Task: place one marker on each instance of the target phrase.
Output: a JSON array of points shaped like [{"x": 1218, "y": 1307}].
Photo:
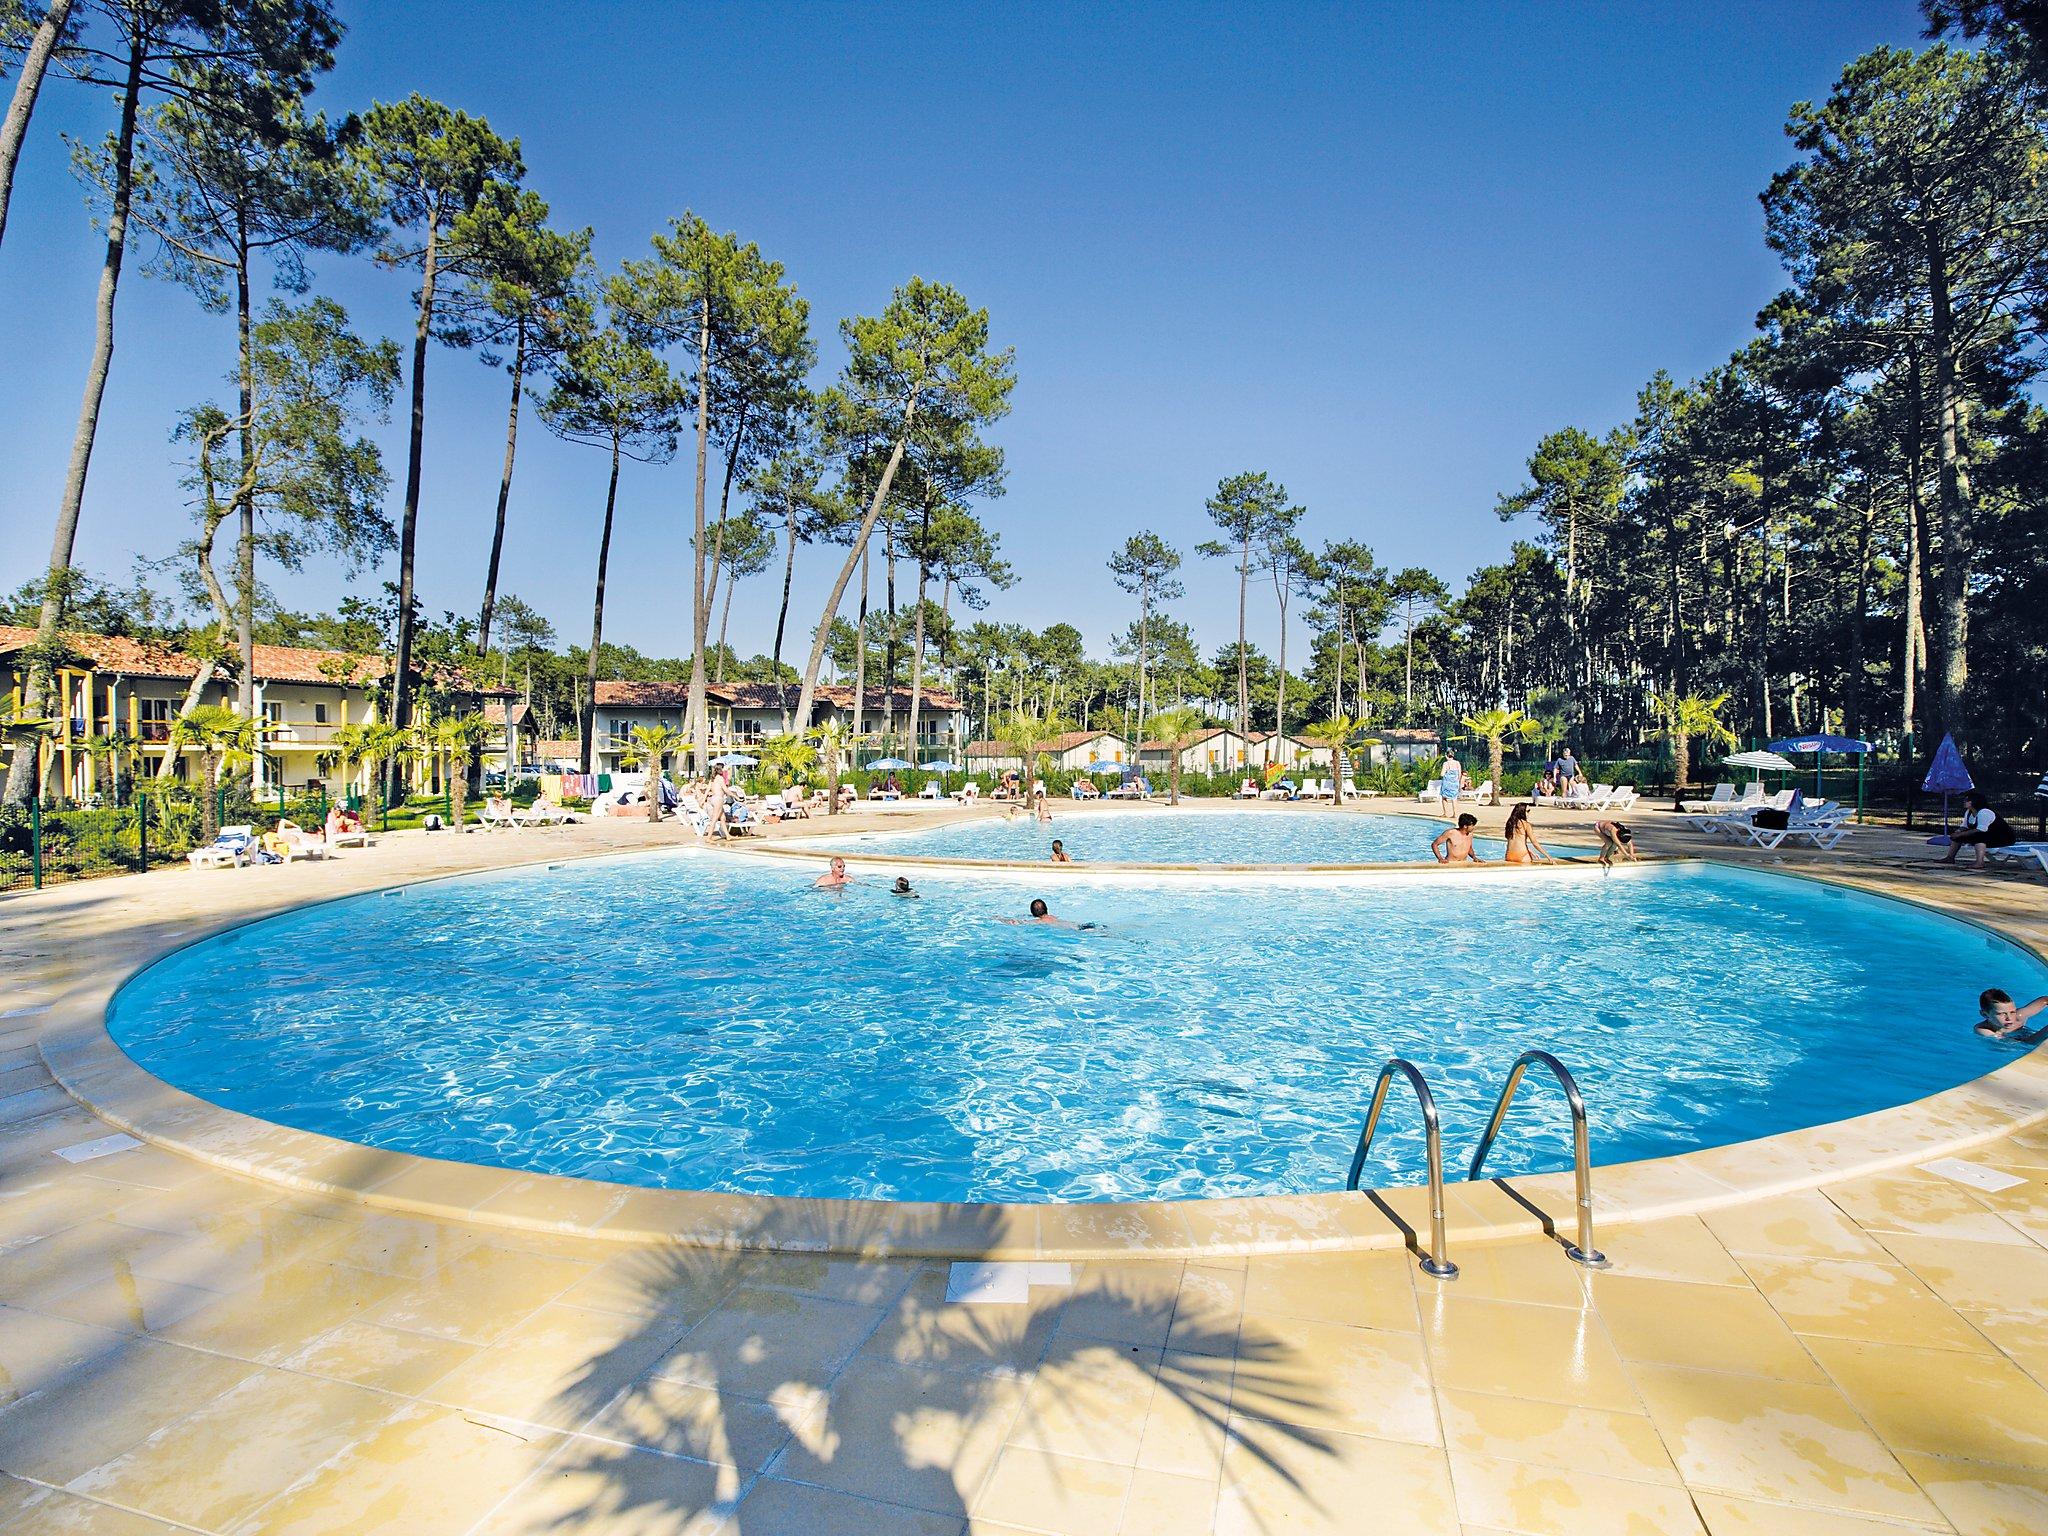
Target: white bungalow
[
  {"x": 1069, "y": 753},
  {"x": 1220, "y": 749}
]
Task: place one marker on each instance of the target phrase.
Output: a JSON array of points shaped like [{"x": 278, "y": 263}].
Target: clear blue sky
[{"x": 1374, "y": 250}]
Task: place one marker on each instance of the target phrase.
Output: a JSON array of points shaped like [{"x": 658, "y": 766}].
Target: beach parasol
[
  {"x": 1948, "y": 775},
  {"x": 892, "y": 764},
  {"x": 734, "y": 760},
  {"x": 1822, "y": 744},
  {"x": 943, "y": 766},
  {"x": 1760, "y": 761}
]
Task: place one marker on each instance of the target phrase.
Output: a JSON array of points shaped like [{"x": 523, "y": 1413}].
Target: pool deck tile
[{"x": 239, "y": 1329}]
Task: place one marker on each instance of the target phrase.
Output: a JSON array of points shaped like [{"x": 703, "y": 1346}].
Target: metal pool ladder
[
  {"x": 1437, "y": 1262},
  {"x": 1581, "y": 1252}
]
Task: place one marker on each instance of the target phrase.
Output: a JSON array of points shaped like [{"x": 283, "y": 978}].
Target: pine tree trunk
[
  {"x": 245, "y": 536},
  {"x": 860, "y": 651},
  {"x": 604, "y": 555},
  {"x": 1952, "y": 501},
  {"x": 782, "y": 613},
  {"x": 21, "y": 770},
  {"x": 408, "y": 532},
  {"x": 35, "y": 63},
  {"x": 483, "y": 623},
  {"x": 694, "y": 721},
  {"x": 857, "y": 553},
  {"x": 1244, "y": 686},
  {"x": 917, "y": 665}
]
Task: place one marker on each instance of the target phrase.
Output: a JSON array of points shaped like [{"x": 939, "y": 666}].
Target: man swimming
[
  {"x": 834, "y": 878},
  {"x": 1453, "y": 845},
  {"x": 1041, "y": 916},
  {"x": 2000, "y": 1018},
  {"x": 1060, "y": 854}
]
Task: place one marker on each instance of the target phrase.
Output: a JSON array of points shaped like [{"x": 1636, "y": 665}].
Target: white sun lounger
[
  {"x": 231, "y": 848},
  {"x": 1722, "y": 797},
  {"x": 2021, "y": 854}
]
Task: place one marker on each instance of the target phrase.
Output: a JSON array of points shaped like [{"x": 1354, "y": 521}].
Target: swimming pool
[
  {"x": 696, "y": 1020},
  {"x": 1186, "y": 834}
]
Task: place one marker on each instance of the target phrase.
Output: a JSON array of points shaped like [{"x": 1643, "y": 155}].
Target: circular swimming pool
[
  {"x": 702, "y": 1021},
  {"x": 1157, "y": 834}
]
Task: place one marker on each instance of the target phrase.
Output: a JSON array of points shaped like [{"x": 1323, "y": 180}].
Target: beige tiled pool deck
[{"x": 1805, "y": 1337}]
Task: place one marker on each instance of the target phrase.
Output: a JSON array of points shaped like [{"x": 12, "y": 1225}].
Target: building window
[{"x": 319, "y": 714}]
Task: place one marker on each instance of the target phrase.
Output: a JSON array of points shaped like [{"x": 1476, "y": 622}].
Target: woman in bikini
[{"x": 1522, "y": 845}]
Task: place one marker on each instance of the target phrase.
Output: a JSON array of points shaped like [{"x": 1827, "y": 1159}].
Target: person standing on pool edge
[{"x": 1451, "y": 782}]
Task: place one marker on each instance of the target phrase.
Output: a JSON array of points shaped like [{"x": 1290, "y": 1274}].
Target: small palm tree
[
  {"x": 653, "y": 745},
  {"x": 117, "y": 750},
  {"x": 459, "y": 738},
  {"x": 222, "y": 737},
  {"x": 1495, "y": 726},
  {"x": 788, "y": 756},
  {"x": 1339, "y": 733},
  {"x": 832, "y": 742},
  {"x": 1029, "y": 736},
  {"x": 363, "y": 748},
  {"x": 1175, "y": 729},
  {"x": 1687, "y": 718}
]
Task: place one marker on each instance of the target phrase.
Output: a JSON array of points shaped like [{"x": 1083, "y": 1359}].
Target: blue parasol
[
  {"x": 893, "y": 764},
  {"x": 1819, "y": 746},
  {"x": 1947, "y": 775}
]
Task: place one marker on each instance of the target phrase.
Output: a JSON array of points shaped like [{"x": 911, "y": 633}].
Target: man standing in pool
[
  {"x": 1453, "y": 845},
  {"x": 2000, "y": 1018},
  {"x": 835, "y": 877},
  {"x": 1060, "y": 854}
]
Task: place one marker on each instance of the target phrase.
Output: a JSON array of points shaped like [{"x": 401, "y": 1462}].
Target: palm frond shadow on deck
[{"x": 913, "y": 1412}]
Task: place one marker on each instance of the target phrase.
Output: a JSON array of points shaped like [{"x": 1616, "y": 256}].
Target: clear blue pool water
[
  {"x": 698, "y": 1021},
  {"x": 1159, "y": 835}
]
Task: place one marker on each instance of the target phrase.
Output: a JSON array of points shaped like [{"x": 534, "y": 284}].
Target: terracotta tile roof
[
  {"x": 630, "y": 695},
  {"x": 156, "y": 658},
  {"x": 841, "y": 698},
  {"x": 495, "y": 710}
]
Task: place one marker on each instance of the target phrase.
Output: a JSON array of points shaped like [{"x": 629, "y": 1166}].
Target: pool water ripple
[{"x": 695, "y": 1021}]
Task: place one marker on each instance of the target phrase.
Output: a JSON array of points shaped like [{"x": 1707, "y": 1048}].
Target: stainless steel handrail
[
  {"x": 1583, "y": 1251},
  {"x": 1436, "y": 1262}
]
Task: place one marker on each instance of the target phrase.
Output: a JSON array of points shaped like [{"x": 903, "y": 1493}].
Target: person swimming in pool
[
  {"x": 1060, "y": 854},
  {"x": 1453, "y": 845},
  {"x": 835, "y": 877},
  {"x": 2000, "y": 1018},
  {"x": 1041, "y": 916},
  {"x": 902, "y": 888}
]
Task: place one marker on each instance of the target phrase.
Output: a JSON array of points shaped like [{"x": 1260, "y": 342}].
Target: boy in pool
[
  {"x": 834, "y": 878},
  {"x": 902, "y": 888},
  {"x": 1060, "y": 854},
  {"x": 2000, "y": 1018},
  {"x": 1453, "y": 845}
]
